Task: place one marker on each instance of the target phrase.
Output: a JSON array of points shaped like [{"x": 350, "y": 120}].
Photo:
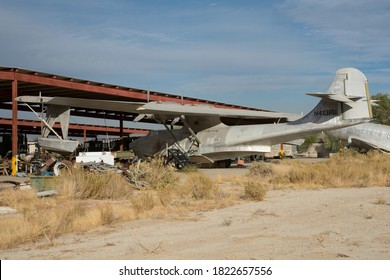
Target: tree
[
  {"x": 381, "y": 113},
  {"x": 329, "y": 143}
]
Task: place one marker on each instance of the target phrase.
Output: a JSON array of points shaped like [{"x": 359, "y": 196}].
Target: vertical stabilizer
[{"x": 347, "y": 99}]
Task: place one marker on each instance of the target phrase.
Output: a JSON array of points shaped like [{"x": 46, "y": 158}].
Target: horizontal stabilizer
[
  {"x": 335, "y": 97},
  {"x": 374, "y": 102}
]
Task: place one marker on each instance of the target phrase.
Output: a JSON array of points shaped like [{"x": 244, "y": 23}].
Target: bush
[
  {"x": 255, "y": 190},
  {"x": 200, "y": 186},
  {"x": 106, "y": 213},
  {"x": 154, "y": 174},
  {"x": 143, "y": 202},
  {"x": 261, "y": 169}
]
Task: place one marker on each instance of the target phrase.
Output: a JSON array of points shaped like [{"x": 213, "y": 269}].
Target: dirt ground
[{"x": 289, "y": 224}]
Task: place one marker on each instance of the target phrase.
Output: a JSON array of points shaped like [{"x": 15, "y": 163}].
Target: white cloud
[{"x": 359, "y": 27}]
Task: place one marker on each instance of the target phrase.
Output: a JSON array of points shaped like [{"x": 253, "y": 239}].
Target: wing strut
[
  {"x": 182, "y": 118},
  {"x": 179, "y": 155},
  {"x": 45, "y": 122}
]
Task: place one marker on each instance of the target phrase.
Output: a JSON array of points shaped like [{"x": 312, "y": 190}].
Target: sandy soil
[{"x": 288, "y": 224}]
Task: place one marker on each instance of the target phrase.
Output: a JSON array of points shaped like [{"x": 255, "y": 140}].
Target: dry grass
[
  {"x": 154, "y": 174},
  {"x": 144, "y": 201},
  {"x": 261, "y": 169},
  {"x": 85, "y": 201},
  {"x": 90, "y": 200},
  {"x": 86, "y": 185},
  {"x": 349, "y": 169},
  {"x": 255, "y": 190},
  {"x": 48, "y": 218},
  {"x": 196, "y": 192},
  {"x": 200, "y": 186},
  {"x": 380, "y": 201}
]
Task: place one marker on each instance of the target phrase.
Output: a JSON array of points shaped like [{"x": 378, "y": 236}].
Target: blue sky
[{"x": 264, "y": 54}]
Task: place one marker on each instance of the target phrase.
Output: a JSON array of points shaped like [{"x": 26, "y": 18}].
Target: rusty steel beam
[
  {"x": 14, "y": 126},
  {"x": 80, "y": 86},
  {"x": 7, "y": 75},
  {"x": 100, "y": 88},
  {"x": 121, "y": 145}
]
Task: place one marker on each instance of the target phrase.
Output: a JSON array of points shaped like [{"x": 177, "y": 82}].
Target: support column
[
  {"x": 85, "y": 135},
  {"x": 14, "y": 126},
  {"x": 121, "y": 132}
]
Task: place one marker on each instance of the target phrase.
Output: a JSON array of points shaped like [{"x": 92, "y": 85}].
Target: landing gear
[{"x": 177, "y": 157}]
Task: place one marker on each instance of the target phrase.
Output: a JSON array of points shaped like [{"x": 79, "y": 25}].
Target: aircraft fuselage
[{"x": 365, "y": 135}]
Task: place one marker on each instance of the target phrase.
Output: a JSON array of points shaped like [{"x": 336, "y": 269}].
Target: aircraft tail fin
[{"x": 347, "y": 99}]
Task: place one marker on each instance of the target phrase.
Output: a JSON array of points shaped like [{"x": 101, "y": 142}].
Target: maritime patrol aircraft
[{"x": 205, "y": 138}]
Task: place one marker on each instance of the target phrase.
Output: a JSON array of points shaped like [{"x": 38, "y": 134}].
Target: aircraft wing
[
  {"x": 164, "y": 109},
  {"x": 110, "y": 105},
  {"x": 367, "y": 145},
  {"x": 208, "y": 110}
]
